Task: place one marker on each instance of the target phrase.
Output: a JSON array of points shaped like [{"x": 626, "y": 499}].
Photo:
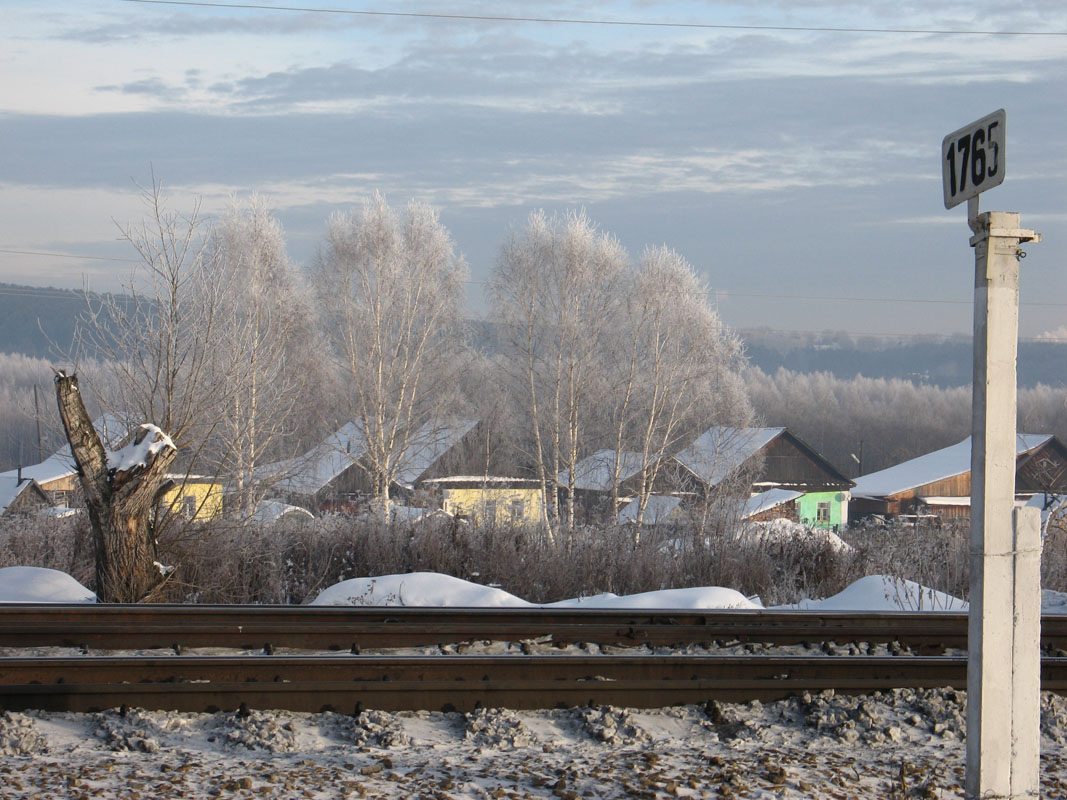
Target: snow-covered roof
[
  {"x": 657, "y": 509},
  {"x": 765, "y": 501},
  {"x": 428, "y": 445},
  {"x": 720, "y": 450},
  {"x": 311, "y": 472},
  {"x": 56, "y": 467},
  {"x": 60, "y": 464},
  {"x": 595, "y": 472},
  {"x": 480, "y": 479},
  {"x": 936, "y": 466}
]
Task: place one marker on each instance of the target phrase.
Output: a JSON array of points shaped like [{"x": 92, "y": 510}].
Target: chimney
[{"x": 19, "y": 481}]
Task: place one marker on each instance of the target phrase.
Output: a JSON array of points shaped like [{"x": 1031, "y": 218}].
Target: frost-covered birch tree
[
  {"x": 261, "y": 346},
  {"x": 390, "y": 291},
  {"x": 675, "y": 368},
  {"x": 555, "y": 294}
]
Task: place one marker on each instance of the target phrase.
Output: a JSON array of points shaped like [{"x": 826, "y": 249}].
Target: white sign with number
[{"x": 972, "y": 158}]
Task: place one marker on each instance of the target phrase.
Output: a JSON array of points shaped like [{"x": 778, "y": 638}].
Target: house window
[
  {"x": 189, "y": 506},
  {"x": 517, "y": 509},
  {"x": 822, "y": 512},
  {"x": 490, "y": 512}
]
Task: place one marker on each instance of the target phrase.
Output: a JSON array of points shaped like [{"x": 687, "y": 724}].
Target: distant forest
[
  {"x": 876, "y": 400},
  {"x": 943, "y": 361}
]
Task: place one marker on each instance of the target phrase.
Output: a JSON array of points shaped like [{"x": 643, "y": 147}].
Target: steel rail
[
  {"x": 348, "y": 684},
  {"x": 355, "y": 628}
]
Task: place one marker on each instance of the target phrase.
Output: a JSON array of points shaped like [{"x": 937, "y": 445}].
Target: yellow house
[
  {"x": 195, "y": 497},
  {"x": 489, "y": 500}
]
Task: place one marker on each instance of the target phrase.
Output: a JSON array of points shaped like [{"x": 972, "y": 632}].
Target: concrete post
[{"x": 1002, "y": 704}]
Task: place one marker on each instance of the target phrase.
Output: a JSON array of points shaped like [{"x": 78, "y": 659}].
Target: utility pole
[
  {"x": 37, "y": 415},
  {"x": 1004, "y": 620},
  {"x": 1003, "y": 664}
]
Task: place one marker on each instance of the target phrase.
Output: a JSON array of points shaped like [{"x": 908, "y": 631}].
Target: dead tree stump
[{"x": 120, "y": 489}]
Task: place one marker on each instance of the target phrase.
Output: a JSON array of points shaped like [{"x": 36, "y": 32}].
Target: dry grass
[{"x": 292, "y": 563}]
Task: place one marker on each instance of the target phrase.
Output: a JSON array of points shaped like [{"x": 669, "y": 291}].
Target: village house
[
  {"x": 782, "y": 476},
  {"x": 335, "y": 475},
  {"x": 20, "y": 495},
  {"x": 194, "y": 497},
  {"x": 57, "y": 475},
  {"x": 488, "y": 499},
  {"x": 938, "y": 485}
]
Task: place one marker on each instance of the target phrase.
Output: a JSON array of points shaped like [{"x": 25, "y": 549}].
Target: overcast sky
[{"x": 799, "y": 170}]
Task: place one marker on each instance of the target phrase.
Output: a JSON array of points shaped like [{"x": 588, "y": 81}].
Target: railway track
[
  {"x": 262, "y": 677},
  {"x": 141, "y": 627},
  {"x": 348, "y": 684}
]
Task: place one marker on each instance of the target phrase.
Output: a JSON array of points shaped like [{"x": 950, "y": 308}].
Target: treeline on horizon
[{"x": 884, "y": 421}]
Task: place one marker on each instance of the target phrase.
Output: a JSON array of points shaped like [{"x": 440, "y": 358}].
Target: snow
[
  {"x": 415, "y": 589},
  {"x": 765, "y": 501},
  {"x": 11, "y": 488},
  {"x": 597, "y": 472},
  {"x": 782, "y": 531},
  {"x": 901, "y": 743},
  {"x": 139, "y": 453},
  {"x": 658, "y": 508},
  {"x": 720, "y": 450},
  {"x": 430, "y": 589},
  {"x": 935, "y": 466},
  {"x": 61, "y": 463},
  {"x": 39, "y": 585},
  {"x": 885, "y": 593},
  {"x": 704, "y": 597},
  {"x": 270, "y": 511}
]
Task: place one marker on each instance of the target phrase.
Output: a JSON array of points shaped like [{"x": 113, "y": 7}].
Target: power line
[
  {"x": 607, "y": 22},
  {"x": 761, "y": 331},
  {"x": 66, "y": 255},
  {"x": 726, "y": 294}
]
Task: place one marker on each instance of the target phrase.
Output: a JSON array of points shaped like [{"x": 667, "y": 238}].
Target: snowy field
[{"x": 904, "y": 743}]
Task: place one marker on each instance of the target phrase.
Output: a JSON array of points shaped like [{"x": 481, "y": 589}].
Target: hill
[
  {"x": 33, "y": 319},
  {"x": 942, "y": 361}
]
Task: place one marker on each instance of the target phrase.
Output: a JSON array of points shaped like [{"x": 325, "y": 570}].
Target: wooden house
[
  {"x": 763, "y": 459},
  {"x": 21, "y": 496},
  {"x": 195, "y": 497},
  {"x": 938, "y": 484},
  {"x": 57, "y": 475},
  {"x": 487, "y": 499},
  {"x": 777, "y": 460}
]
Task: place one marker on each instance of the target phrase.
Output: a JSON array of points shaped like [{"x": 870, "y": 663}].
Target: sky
[{"x": 797, "y": 168}]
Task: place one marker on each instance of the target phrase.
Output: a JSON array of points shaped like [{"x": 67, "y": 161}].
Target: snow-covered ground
[{"x": 904, "y": 743}]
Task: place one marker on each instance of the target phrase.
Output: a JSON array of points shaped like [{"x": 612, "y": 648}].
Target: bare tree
[
  {"x": 390, "y": 289},
  {"x": 675, "y": 369},
  {"x": 158, "y": 339},
  {"x": 259, "y": 343},
  {"x": 555, "y": 292},
  {"x": 121, "y": 490}
]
